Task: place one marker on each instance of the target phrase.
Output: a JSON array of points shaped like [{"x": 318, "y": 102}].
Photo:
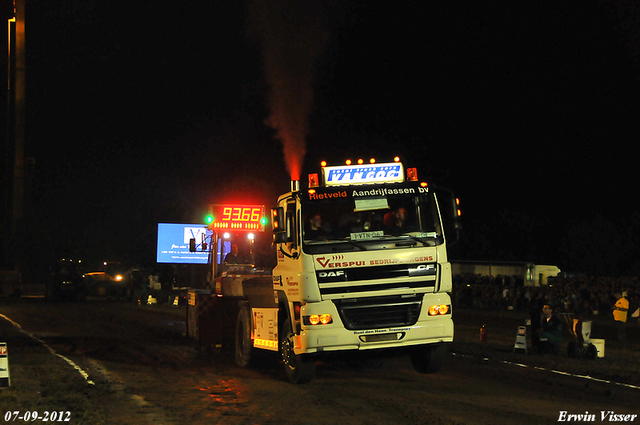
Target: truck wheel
[
  {"x": 299, "y": 369},
  {"x": 244, "y": 345},
  {"x": 428, "y": 358}
]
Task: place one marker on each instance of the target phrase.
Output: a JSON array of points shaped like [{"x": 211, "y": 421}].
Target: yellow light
[
  {"x": 323, "y": 163},
  {"x": 118, "y": 277},
  {"x": 348, "y": 162},
  {"x": 318, "y": 319},
  {"x": 424, "y": 184},
  {"x": 312, "y": 191},
  {"x": 360, "y": 161},
  {"x": 437, "y": 310},
  {"x": 372, "y": 161},
  {"x": 396, "y": 159}
]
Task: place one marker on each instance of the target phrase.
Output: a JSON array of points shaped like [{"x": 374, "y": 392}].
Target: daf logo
[{"x": 337, "y": 273}]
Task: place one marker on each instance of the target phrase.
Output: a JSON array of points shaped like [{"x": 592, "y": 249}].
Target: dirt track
[{"x": 152, "y": 374}]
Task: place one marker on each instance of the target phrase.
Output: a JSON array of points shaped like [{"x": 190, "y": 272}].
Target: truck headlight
[
  {"x": 439, "y": 310},
  {"x": 317, "y": 319}
]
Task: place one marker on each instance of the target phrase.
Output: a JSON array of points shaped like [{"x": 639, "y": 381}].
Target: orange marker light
[
  {"x": 372, "y": 161},
  {"x": 396, "y": 159},
  {"x": 348, "y": 162},
  {"x": 360, "y": 161},
  {"x": 323, "y": 163}
]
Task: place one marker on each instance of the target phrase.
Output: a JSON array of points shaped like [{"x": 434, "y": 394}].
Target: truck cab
[{"x": 362, "y": 265}]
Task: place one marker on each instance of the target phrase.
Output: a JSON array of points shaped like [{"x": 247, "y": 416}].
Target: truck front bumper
[{"x": 335, "y": 337}]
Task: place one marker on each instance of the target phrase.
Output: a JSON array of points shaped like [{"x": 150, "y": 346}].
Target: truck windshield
[{"x": 369, "y": 218}]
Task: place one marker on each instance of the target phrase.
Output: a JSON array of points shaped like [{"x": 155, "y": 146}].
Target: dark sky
[{"x": 145, "y": 112}]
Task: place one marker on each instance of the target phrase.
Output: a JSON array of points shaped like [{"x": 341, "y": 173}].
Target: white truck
[{"x": 361, "y": 265}]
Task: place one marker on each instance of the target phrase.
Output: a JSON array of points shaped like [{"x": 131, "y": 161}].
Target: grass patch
[{"x": 42, "y": 382}]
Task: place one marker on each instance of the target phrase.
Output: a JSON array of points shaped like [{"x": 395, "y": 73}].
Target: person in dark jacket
[{"x": 548, "y": 337}]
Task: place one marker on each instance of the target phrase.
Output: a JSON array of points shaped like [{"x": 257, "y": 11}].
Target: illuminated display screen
[
  {"x": 173, "y": 243},
  {"x": 363, "y": 174},
  {"x": 238, "y": 217}
]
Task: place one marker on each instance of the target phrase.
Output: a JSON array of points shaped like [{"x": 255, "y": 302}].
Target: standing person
[{"x": 620, "y": 316}]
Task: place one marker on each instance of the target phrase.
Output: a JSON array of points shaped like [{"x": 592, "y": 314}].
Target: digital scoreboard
[{"x": 237, "y": 217}]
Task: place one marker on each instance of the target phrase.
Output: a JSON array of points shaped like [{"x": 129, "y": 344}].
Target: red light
[
  {"x": 313, "y": 180},
  {"x": 412, "y": 174}
]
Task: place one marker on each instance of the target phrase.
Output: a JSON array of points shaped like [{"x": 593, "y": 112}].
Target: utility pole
[{"x": 14, "y": 167}]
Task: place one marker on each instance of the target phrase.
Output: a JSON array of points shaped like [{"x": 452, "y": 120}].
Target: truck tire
[
  {"x": 244, "y": 350},
  {"x": 428, "y": 358},
  {"x": 299, "y": 369}
]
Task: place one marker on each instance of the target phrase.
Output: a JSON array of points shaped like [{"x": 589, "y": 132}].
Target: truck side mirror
[{"x": 279, "y": 226}]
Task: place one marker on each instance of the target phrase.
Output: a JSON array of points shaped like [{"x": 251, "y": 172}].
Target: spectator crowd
[{"x": 586, "y": 296}]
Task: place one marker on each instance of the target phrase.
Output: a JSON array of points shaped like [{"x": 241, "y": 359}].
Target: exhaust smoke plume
[{"x": 292, "y": 35}]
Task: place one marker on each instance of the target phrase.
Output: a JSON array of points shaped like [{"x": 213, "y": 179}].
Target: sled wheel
[{"x": 244, "y": 345}]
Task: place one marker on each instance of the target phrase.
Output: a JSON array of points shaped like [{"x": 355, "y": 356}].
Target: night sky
[{"x": 145, "y": 112}]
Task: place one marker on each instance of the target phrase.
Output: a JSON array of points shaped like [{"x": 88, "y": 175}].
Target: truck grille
[
  {"x": 338, "y": 282},
  {"x": 379, "y": 312}
]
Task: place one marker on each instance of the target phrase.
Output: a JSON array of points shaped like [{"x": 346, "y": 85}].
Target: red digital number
[{"x": 226, "y": 214}]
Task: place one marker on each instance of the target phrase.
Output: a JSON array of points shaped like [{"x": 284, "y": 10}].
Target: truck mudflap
[{"x": 265, "y": 328}]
